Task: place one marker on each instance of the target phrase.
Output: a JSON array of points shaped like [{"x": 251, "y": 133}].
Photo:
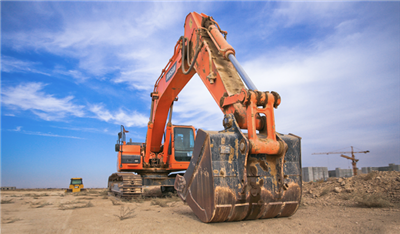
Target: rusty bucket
[{"x": 225, "y": 183}]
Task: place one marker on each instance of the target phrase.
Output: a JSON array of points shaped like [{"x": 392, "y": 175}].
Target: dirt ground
[{"x": 362, "y": 204}]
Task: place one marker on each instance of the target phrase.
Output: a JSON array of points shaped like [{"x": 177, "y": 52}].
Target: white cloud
[
  {"x": 196, "y": 106},
  {"x": 17, "y": 129},
  {"x": 103, "y": 40},
  {"x": 76, "y": 74},
  {"x": 50, "y": 135},
  {"x": 334, "y": 79},
  {"x": 339, "y": 91},
  {"x": 119, "y": 117},
  {"x": 29, "y": 96},
  {"x": 315, "y": 13},
  {"x": 10, "y": 64}
]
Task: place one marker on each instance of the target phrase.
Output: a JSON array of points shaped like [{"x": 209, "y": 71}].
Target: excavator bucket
[{"x": 225, "y": 183}]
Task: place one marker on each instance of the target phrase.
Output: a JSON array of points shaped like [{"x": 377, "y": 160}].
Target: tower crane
[{"x": 352, "y": 158}]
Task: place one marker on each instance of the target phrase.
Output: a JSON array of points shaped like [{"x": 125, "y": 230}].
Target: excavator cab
[
  {"x": 184, "y": 143},
  {"x": 180, "y": 146}
]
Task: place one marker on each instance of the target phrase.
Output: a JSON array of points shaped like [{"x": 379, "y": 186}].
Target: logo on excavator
[{"x": 170, "y": 73}]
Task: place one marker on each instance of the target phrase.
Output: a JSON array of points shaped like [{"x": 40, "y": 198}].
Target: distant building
[
  {"x": 341, "y": 173},
  {"x": 395, "y": 167},
  {"x": 367, "y": 170},
  {"x": 8, "y": 188},
  {"x": 322, "y": 173},
  {"x": 391, "y": 167},
  {"x": 314, "y": 173}
]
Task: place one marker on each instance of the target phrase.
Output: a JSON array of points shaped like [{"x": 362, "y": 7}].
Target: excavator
[{"x": 245, "y": 171}]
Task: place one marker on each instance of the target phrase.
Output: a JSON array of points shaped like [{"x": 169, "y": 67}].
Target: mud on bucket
[{"x": 225, "y": 183}]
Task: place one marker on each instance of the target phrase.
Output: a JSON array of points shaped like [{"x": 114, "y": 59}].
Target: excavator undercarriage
[
  {"x": 125, "y": 185},
  {"x": 128, "y": 185}
]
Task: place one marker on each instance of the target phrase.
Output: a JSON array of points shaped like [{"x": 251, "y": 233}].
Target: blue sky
[{"x": 73, "y": 72}]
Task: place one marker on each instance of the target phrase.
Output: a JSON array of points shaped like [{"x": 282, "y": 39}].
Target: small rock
[
  {"x": 340, "y": 180},
  {"x": 310, "y": 192},
  {"x": 349, "y": 190},
  {"x": 343, "y": 183},
  {"x": 337, "y": 190}
]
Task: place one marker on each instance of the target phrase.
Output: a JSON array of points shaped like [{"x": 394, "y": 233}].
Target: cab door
[
  {"x": 181, "y": 149},
  {"x": 183, "y": 144}
]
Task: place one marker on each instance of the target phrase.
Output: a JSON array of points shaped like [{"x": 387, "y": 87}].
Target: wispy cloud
[
  {"x": 77, "y": 75},
  {"x": 82, "y": 129},
  {"x": 108, "y": 39},
  {"x": 17, "y": 129},
  {"x": 30, "y": 96},
  {"x": 20, "y": 130},
  {"x": 128, "y": 119},
  {"x": 330, "y": 77},
  {"x": 197, "y": 107},
  {"x": 50, "y": 135},
  {"x": 10, "y": 64},
  {"x": 321, "y": 14}
]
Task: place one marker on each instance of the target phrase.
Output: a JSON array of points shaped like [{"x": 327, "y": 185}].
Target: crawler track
[{"x": 125, "y": 185}]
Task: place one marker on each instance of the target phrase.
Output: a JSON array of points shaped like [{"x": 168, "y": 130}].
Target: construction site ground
[{"x": 368, "y": 203}]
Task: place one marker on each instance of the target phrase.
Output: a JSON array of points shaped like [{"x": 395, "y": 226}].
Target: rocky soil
[
  {"x": 362, "y": 204},
  {"x": 376, "y": 189}
]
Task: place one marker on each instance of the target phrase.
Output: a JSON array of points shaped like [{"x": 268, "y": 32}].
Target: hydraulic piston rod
[{"x": 242, "y": 72}]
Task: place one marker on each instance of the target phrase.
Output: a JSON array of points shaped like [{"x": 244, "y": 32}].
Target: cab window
[
  {"x": 74, "y": 181},
  {"x": 183, "y": 144}
]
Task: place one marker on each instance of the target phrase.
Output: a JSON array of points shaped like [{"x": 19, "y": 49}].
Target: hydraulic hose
[{"x": 183, "y": 56}]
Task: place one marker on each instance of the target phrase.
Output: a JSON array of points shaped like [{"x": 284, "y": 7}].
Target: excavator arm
[
  {"x": 232, "y": 175},
  {"x": 204, "y": 50}
]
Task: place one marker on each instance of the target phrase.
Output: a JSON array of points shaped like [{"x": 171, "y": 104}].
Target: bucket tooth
[{"x": 225, "y": 183}]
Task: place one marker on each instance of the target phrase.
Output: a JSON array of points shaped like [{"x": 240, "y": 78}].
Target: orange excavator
[{"x": 230, "y": 174}]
